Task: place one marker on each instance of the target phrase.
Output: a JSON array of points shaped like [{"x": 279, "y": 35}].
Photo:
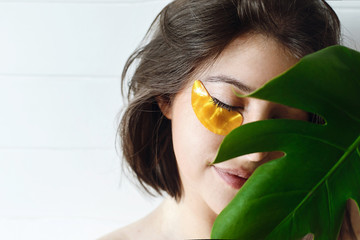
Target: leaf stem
[{"x": 351, "y": 148}]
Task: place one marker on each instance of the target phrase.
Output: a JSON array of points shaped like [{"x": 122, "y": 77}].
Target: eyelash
[{"x": 220, "y": 104}]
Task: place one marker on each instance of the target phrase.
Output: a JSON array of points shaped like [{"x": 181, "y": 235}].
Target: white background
[{"x": 60, "y": 66}]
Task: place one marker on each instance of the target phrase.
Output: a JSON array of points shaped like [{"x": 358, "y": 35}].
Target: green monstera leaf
[{"x": 306, "y": 190}]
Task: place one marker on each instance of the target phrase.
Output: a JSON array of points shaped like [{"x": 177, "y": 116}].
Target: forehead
[{"x": 252, "y": 60}]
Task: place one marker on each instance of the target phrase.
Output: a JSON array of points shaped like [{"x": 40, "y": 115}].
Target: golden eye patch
[{"x": 214, "y": 117}]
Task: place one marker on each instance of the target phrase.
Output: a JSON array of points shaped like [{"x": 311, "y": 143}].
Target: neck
[{"x": 188, "y": 218}]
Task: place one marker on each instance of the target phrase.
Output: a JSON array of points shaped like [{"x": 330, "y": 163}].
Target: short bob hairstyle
[{"x": 185, "y": 35}]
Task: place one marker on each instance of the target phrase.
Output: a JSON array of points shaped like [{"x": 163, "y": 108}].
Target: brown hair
[{"x": 185, "y": 35}]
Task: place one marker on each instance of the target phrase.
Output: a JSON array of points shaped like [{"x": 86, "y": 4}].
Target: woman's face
[{"x": 245, "y": 65}]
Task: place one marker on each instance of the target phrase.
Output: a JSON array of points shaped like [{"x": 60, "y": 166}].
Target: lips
[{"x": 235, "y": 178}]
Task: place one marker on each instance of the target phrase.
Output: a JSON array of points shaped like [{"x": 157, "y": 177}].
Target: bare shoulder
[
  {"x": 124, "y": 233},
  {"x": 145, "y": 228},
  {"x": 119, "y": 234}
]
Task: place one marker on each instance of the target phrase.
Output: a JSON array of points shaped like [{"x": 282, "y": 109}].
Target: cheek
[{"x": 194, "y": 145}]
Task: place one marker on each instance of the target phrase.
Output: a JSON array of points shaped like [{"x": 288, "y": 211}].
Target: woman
[{"x": 167, "y": 143}]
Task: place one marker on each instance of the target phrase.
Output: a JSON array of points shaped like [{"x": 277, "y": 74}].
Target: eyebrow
[{"x": 230, "y": 80}]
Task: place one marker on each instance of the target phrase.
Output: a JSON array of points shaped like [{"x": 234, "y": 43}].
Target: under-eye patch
[{"x": 214, "y": 117}]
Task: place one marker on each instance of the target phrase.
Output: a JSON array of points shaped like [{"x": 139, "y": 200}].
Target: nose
[
  {"x": 256, "y": 157},
  {"x": 257, "y": 110}
]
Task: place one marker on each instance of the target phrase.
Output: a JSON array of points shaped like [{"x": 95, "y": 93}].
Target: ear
[{"x": 165, "y": 107}]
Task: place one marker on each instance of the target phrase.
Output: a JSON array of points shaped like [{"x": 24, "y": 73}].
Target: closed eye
[
  {"x": 216, "y": 116},
  {"x": 220, "y": 104}
]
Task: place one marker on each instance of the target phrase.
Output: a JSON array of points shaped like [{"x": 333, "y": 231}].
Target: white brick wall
[
  {"x": 349, "y": 14},
  {"x": 60, "y": 63},
  {"x": 60, "y": 66}
]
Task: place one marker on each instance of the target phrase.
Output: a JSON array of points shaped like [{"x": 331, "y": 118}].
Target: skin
[{"x": 251, "y": 60}]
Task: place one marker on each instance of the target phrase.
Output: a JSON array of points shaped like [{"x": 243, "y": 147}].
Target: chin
[{"x": 218, "y": 204}]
